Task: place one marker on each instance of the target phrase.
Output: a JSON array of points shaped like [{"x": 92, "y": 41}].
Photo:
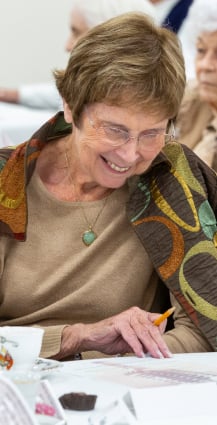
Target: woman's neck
[{"x": 62, "y": 178}]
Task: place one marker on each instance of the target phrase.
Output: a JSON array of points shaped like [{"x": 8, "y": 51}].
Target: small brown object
[{"x": 78, "y": 401}]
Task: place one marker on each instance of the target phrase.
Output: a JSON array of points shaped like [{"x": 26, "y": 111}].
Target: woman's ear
[{"x": 67, "y": 113}]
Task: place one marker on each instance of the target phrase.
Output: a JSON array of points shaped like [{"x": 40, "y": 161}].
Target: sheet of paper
[
  {"x": 175, "y": 402},
  {"x": 133, "y": 372},
  {"x": 183, "y": 420},
  {"x": 13, "y": 407}
]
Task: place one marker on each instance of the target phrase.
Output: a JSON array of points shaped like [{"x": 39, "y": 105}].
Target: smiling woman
[
  {"x": 104, "y": 215},
  {"x": 200, "y": 102}
]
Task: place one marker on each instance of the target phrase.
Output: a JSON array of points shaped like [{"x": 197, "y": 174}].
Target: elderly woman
[
  {"x": 103, "y": 227},
  {"x": 197, "y": 120}
]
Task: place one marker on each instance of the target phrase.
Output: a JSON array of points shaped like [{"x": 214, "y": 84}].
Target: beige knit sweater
[{"x": 75, "y": 283}]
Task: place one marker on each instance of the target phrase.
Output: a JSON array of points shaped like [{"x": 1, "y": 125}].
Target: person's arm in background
[
  {"x": 41, "y": 96},
  {"x": 9, "y": 95}
]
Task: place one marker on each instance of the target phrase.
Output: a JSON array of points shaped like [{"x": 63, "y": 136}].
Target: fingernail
[{"x": 159, "y": 354}]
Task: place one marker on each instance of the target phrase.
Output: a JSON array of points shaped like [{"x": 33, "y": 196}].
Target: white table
[
  {"x": 111, "y": 379},
  {"x": 18, "y": 123}
]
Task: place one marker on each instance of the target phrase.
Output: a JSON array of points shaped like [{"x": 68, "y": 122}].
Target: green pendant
[{"x": 89, "y": 237}]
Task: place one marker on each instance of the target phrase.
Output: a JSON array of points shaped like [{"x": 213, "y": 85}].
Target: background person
[
  {"x": 84, "y": 15},
  {"x": 94, "y": 244},
  {"x": 172, "y": 13},
  {"x": 197, "y": 119}
]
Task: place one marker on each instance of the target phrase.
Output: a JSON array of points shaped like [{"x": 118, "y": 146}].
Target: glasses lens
[
  {"x": 116, "y": 136},
  {"x": 152, "y": 142}
]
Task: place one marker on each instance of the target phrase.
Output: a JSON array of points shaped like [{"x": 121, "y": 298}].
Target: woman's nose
[
  {"x": 129, "y": 151},
  {"x": 209, "y": 62},
  {"x": 69, "y": 44}
]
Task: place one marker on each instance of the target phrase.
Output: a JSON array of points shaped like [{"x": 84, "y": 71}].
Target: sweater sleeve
[
  {"x": 185, "y": 337},
  {"x": 51, "y": 341},
  {"x": 41, "y": 96}
]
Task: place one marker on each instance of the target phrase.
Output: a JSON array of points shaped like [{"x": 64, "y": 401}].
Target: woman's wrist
[{"x": 70, "y": 342}]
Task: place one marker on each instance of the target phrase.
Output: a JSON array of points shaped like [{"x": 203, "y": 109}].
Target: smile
[
  {"x": 117, "y": 168},
  {"x": 206, "y": 83}
]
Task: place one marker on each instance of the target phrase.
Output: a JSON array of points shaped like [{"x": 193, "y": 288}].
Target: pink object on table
[{"x": 45, "y": 409}]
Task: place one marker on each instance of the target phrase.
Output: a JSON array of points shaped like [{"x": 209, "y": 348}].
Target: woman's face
[
  {"x": 206, "y": 67},
  {"x": 100, "y": 149}
]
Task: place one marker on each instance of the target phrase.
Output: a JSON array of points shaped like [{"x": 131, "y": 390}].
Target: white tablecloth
[
  {"x": 18, "y": 123},
  {"x": 111, "y": 383}
]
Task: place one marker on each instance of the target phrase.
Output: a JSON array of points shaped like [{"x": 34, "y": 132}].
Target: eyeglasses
[{"x": 148, "y": 141}]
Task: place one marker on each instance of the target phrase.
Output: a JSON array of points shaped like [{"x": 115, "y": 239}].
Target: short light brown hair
[{"x": 126, "y": 61}]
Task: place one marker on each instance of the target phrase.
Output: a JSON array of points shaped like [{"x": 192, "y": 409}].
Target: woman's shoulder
[
  {"x": 12, "y": 153},
  {"x": 191, "y": 99},
  {"x": 191, "y": 109},
  {"x": 5, "y": 155},
  {"x": 184, "y": 159}
]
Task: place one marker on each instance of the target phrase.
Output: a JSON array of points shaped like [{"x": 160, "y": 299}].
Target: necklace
[{"x": 89, "y": 235}]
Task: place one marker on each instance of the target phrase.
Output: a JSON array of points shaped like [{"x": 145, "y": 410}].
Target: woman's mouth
[
  {"x": 207, "y": 84},
  {"x": 116, "y": 167}
]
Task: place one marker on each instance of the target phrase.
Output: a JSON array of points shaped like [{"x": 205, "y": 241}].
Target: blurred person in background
[
  {"x": 172, "y": 13},
  {"x": 197, "y": 118},
  {"x": 85, "y": 14}
]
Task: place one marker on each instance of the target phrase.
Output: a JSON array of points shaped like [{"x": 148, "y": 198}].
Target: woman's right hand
[{"x": 130, "y": 331}]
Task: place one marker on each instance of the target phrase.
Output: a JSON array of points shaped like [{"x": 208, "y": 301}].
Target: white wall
[{"x": 32, "y": 39}]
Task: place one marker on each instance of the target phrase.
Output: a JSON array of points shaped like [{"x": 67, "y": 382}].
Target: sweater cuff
[{"x": 51, "y": 341}]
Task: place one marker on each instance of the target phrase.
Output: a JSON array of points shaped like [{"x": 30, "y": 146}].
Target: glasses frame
[{"x": 168, "y": 137}]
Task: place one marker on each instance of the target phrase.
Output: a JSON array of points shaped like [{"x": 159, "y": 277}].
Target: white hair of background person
[
  {"x": 202, "y": 17},
  {"x": 97, "y": 11}
]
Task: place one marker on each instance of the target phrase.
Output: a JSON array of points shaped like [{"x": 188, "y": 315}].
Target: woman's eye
[
  {"x": 200, "y": 51},
  {"x": 115, "y": 131}
]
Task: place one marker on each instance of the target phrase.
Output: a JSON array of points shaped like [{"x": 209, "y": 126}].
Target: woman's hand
[{"x": 130, "y": 331}]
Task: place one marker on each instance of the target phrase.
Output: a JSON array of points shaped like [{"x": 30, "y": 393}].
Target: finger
[
  {"x": 162, "y": 327},
  {"x": 138, "y": 337},
  {"x": 153, "y": 316},
  {"x": 150, "y": 336},
  {"x": 152, "y": 342},
  {"x": 129, "y": 335},
  {"x": 161, "y": 344}
]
